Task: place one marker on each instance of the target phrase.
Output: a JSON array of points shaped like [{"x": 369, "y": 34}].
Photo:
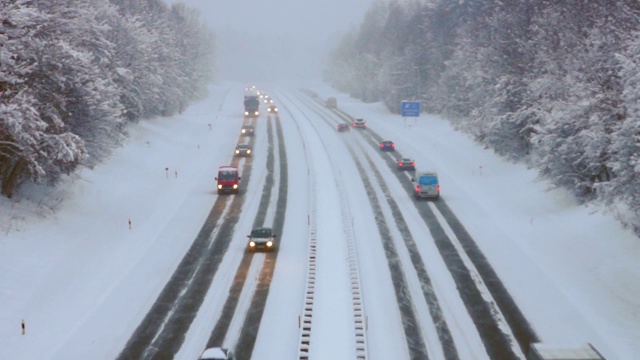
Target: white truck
[{"x": 541, "y": 351}]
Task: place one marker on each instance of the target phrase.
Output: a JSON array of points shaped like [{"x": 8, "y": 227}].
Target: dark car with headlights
[
  {"x": 247, "y": 130},
  {"x": 243, "y": 150},
  {"x": 261, "y": 238}
]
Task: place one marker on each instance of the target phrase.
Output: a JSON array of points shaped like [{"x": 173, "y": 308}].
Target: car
[
  {"x": 248, "y": 130},
  {"x": 272, "y": 109},
  {"x": 344, "y": 127},
  {"x": 261, "y": 238},
  {"x": 217, "y": 353},
  {"x": 359, "y": 124},
  {"x": 228, "y": 180},
  {"x": 331, "y": 103},
  {"x": 267, "y": 99},
  {"x": 243, "y": 150},
  {"x": 427, "y": 185},
  {"x": 387, "y": 145},
  {"x": 406, "y": 164}
]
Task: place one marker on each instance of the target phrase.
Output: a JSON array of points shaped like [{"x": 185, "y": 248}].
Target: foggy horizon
[{"x": 284, "y": 40}]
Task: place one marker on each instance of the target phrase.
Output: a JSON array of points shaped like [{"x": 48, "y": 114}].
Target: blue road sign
[{"x": 410, "y": 108}]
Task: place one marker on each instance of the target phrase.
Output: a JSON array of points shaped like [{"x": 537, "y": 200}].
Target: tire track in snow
[
  {"x": 161, "y": 333},
  {"x": 306, "y": 335},
  {"x": 413, "y": 333},
  {"x": 249, "y": 332},
  {"x": 503, "y": 328}
]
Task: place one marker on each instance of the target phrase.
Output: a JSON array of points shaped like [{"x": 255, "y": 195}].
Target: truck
[
  {"x": 251, "y": 104},
  {"x": 228, "y": 180}
]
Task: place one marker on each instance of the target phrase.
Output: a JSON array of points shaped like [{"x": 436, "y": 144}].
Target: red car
[{"x": 228, "y": 180}]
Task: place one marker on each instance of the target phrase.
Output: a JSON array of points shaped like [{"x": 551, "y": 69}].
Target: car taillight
[
  {"x": 399, "y": 164},
  {"x": 381, "y": 146},
  {"x": 393, "y": 145},
  {"x": 354, "y": 124},
  {"x": 438, "y": 188},
  {"x": 417, "y": 188},
  {"x": 413, "y": 163}
]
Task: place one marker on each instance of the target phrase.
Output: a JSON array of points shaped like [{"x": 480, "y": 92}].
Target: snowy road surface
[{"x": 498, "y": 262}]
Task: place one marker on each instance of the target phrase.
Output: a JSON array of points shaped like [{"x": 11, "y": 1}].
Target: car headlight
[
  {"x": 237, "y": 151},
  {"x": 235, "y": 186},
  {"x": 248, "y": 151},
  {"x": 252, "y": 243},
  {"x": 219, "y": 186},
  {"x": 246, "y": 113},
  {"x": 269, "y": 243},
  {"x": 244, "y": 131}
]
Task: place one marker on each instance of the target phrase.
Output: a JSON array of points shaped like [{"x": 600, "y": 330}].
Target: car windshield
[
  {"x": 428, "y": 180},
  {"x": 252, "y": 102},
  {"x": 261, "y": 233},
  {"x": 227, "y": 175}
]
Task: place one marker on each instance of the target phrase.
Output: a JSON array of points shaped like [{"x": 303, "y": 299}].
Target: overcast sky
[{"x": 277, "y": 40}]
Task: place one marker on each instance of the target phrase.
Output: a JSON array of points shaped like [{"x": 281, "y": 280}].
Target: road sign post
[{"x": 410, "y": 109}]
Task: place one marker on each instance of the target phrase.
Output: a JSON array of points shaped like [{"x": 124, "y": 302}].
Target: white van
[
  {"x": 427, "y": 185},
  {"x": 217, "y": 354}
]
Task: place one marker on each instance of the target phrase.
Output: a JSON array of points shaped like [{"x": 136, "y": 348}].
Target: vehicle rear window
[{"x": 428, "y": 180}]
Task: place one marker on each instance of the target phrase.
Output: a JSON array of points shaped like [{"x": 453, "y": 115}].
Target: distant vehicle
[
  {"x": 261, "y": 238},
  {"x": 359, "y": 124},
  {"x": 344, "y": 127},
  {"x": 406, "y": 164},
  {"x": 267, "y": 99},
  {"x": 217, "y": 354},
  {"x": 387, "y": 145},
  {"x": 228, "y": 180},
  {"x": 427, "y": 185},
  {"x": 272, "y": 109},
  {"x": 243, "y": 150},
  {"x": 248, "y": 130},
  {"x": 541, "y": 351},
  {"x": 251, "y": 103},
  {"x": 331, "y": 103}
]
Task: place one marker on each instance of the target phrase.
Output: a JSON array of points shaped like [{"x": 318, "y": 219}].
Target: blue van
[{"x": 427, "y": 185}]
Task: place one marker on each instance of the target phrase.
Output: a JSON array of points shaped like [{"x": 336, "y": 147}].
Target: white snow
[{"x": 82, "y": 280}]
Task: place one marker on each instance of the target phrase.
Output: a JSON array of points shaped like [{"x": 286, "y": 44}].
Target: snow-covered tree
[{"x": 72, "y": 72}]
